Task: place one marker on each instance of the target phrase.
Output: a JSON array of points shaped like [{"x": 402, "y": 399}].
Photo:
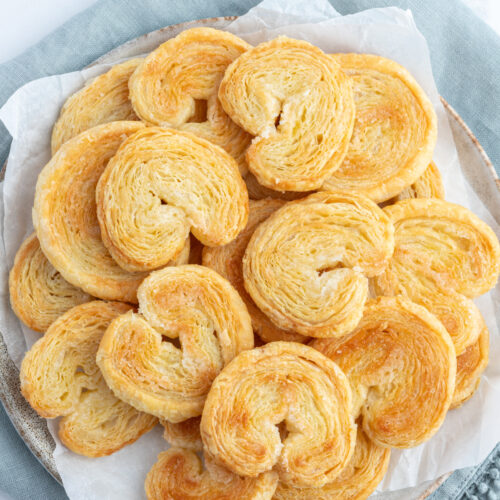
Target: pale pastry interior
[
  {"x": 395, "y": 129},
  {"x": 139, "y": 359},
  {"x": 307, "y": 266},
  {"x": 288, "y": 383},
  {"x": 159, "y": 186},
  {"x": 401, "y": 364},
  {"x": 60, "y": 378},
  {"x": 38, "y": 293},
  {"x": 104, "y": 99}
]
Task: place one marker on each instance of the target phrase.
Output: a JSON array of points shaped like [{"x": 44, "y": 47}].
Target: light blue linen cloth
[{"x": 465, "y": 55}]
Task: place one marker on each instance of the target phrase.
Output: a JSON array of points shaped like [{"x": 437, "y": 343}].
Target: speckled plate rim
[{"x": 31, "y": 428}]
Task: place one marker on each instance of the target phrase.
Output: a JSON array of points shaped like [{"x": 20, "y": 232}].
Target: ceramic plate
[{"x": 476, "y": 166}]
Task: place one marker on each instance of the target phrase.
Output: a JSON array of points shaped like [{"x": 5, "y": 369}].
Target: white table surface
[{"x": 25, "y": 22}]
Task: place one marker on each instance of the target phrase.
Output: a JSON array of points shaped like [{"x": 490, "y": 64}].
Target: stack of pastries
[{"x": 211, "y": 254}]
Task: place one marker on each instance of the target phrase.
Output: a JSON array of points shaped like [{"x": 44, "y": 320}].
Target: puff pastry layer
[
  {"x": 401, "y": 364},
  {"x": 60, "y": 378},
  {"x": 64, "y": 214},
  {"x": 470, "y": 366},
  {"x": 281, "y": 382},
  {"x": 184, "y": 434},
  {"x": 428, "y": 185},
  {"x": 443, "y": 254},
  {"x": 195, "y": 305},
  {"x": 298, "y": 103},
  {"x": 179, "y": 475},
  {"x": 161, "y": 184},
  {"x": 357, "y": 481},
  {"x": 306, "y": 266},
  {"x": 104, "y": 99},
  {"x": 38, "y": 293},
  {"x": 168, "y": 88},
  {"x": 227, "y": 261},
  {"x": 394, "y": 133}
]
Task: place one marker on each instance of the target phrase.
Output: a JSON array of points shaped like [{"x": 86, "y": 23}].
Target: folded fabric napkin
[{"x": 463, "y": 52}]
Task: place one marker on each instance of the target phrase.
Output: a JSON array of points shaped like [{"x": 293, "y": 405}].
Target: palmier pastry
[
  {"x": 428, "y": 185},
  {"x": 470, "y": 366},
  {"x": 357, "y": 481},
  {"x": 178, "y": 475},
  {"x": 161, "y": 184},
  {"x": 38, "y": 293},
  {"x": 183, "y": 434},
  {"x": 104, "y": 99},
  {"x": 65, "y": 217},
  {"x": 177, "y": 84},
  {"x": 394, "y": 133},
  {"x": 60, "y": 378},
  {"x": 195, "y": 305},
  {"x": 227, "y": 261},
  {"x": 306, "y": 266},
  {"x": 442, "y": 250},
  {"x": 401, "y": 364},
  {"x": 281, "y": 382},
  {"x": 299, "y": 104}
]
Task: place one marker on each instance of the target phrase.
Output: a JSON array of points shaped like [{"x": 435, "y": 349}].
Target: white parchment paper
[{"x": 468, "y": 434}]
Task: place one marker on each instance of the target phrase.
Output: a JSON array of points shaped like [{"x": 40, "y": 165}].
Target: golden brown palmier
[
  {"x": 60, "y": 378},
  {"x": 395, "y": 129},
  {"x": 401, "y": 364},
  {"x": 38, "y": 293},
  {"x": 280, "y": 382},
  {"x": 227, "y": 261},
  {"x": 184, "y": 434},
  {"x": 470, "y": 366},
  {"x": 443, "y": 254},
  {"x": 170, "y": 86},
  {"x": 162, "y": 184},
  {"x": 195, "y": 305},
  {"x": 306, "y": 266},
  {"x": 357, "y": 481},
  {"x": 65, "y": 217},
  {"x": 299, "y": 104},
  {"x": 104, "y": 99},
  {"x": 179, "y": 475},
  {"x": 428, "y": 185}
]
